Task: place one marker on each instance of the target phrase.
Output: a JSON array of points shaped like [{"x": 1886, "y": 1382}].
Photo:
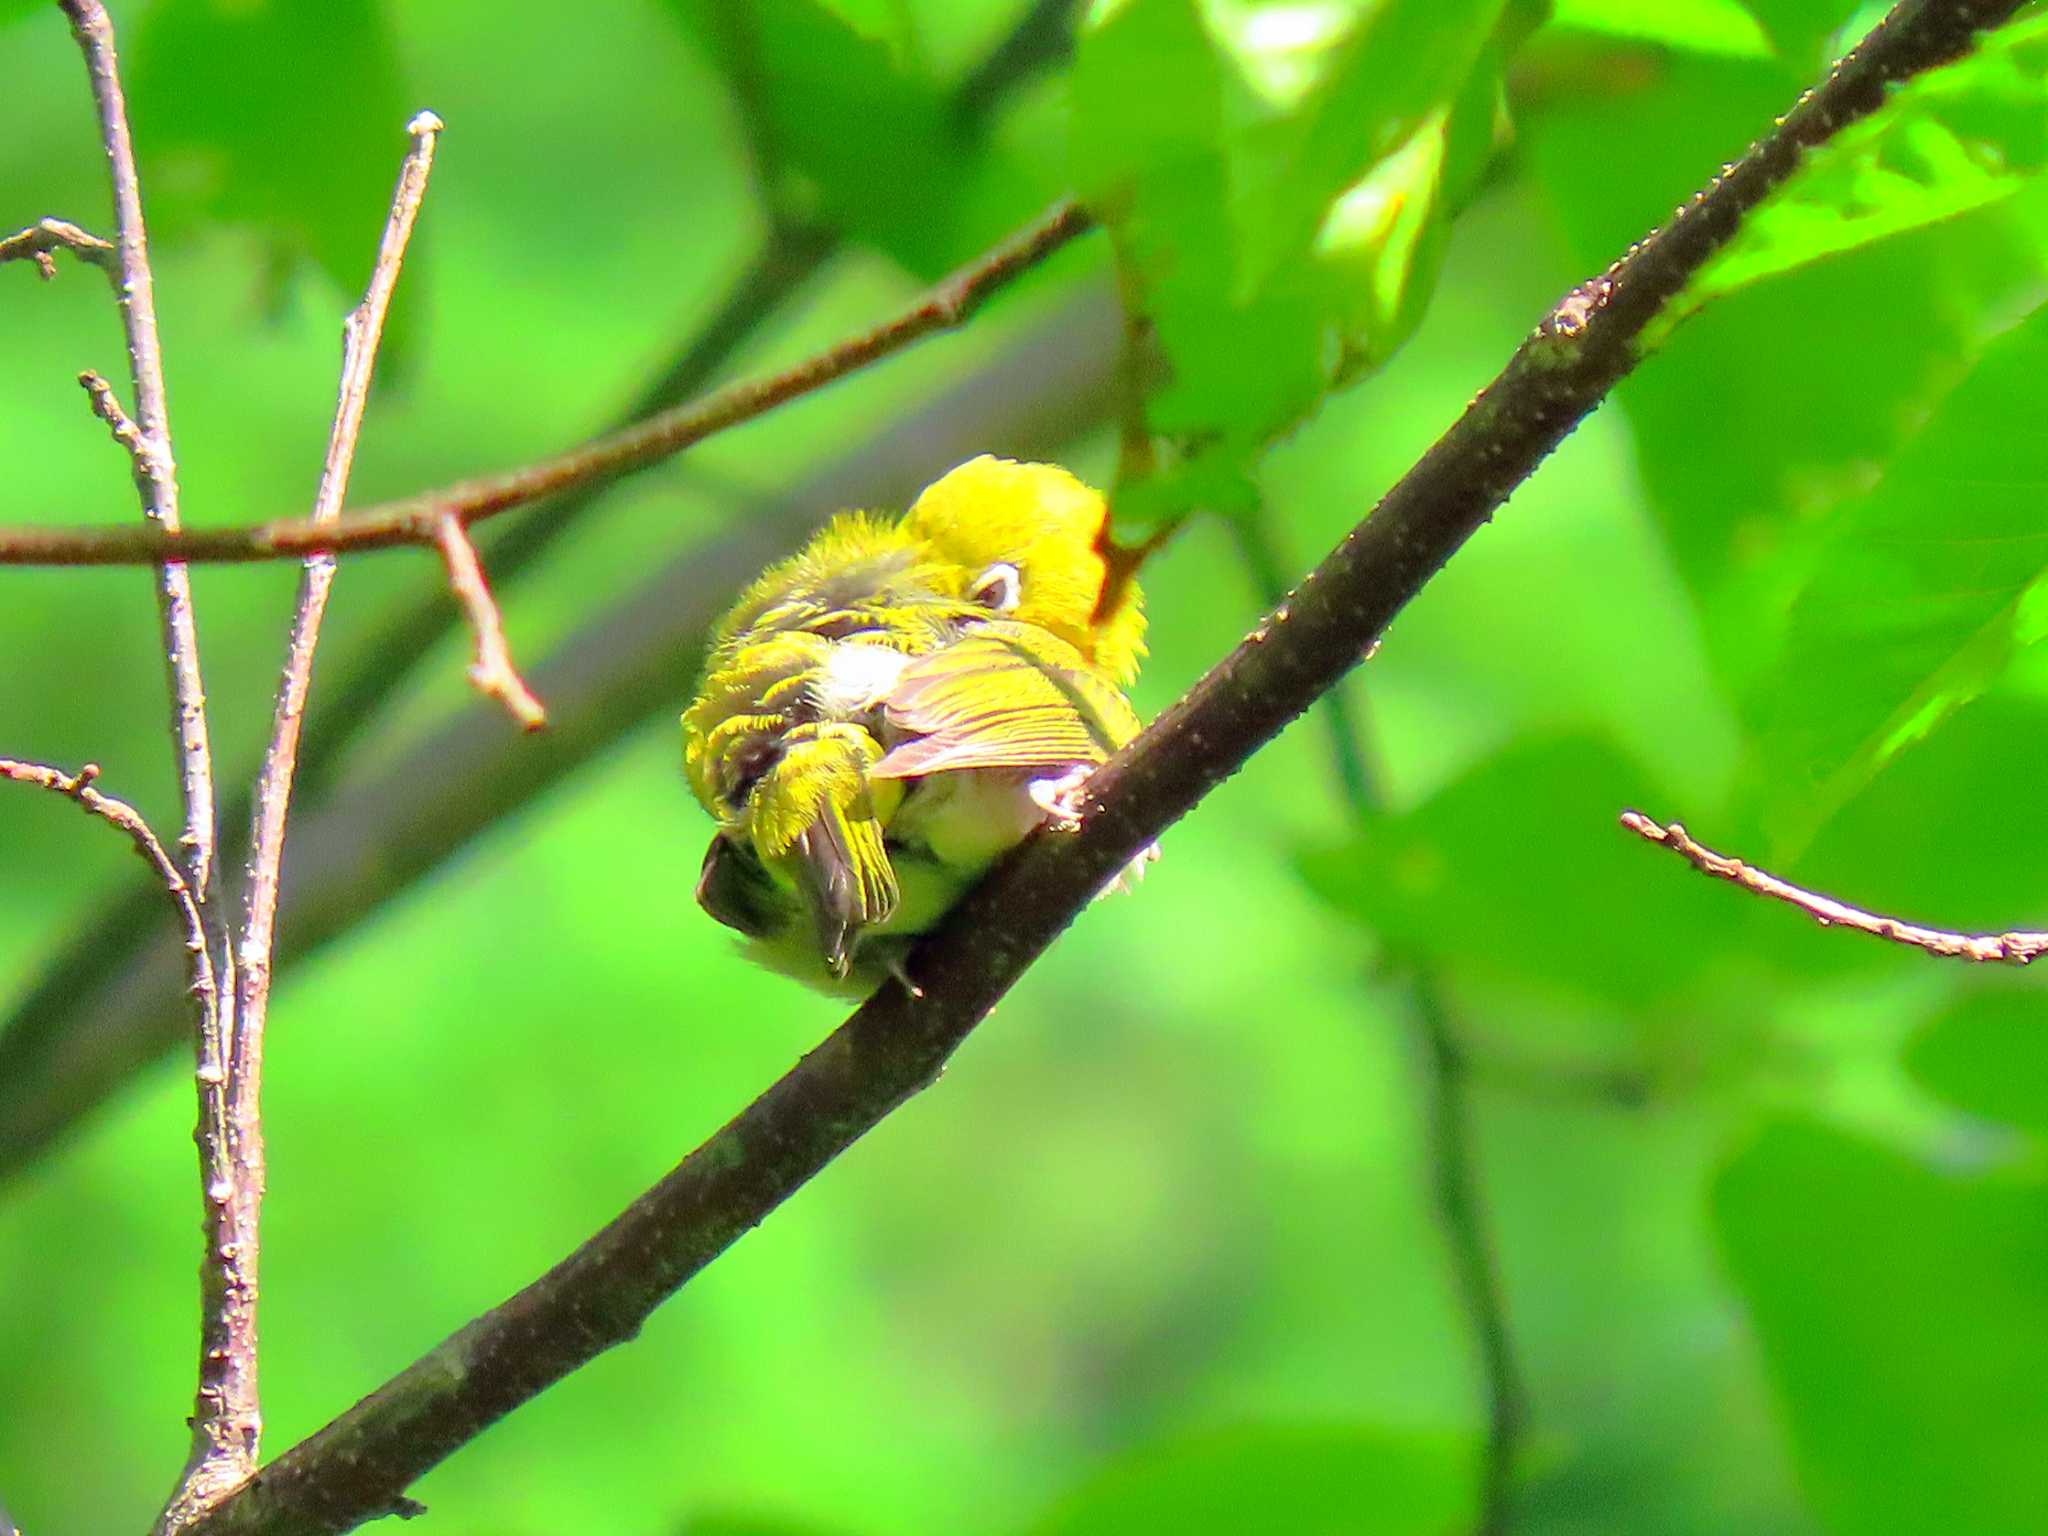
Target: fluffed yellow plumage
[{"x": 887, "y": 711}]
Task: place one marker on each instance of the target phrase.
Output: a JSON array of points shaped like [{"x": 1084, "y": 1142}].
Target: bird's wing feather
[{"x": 1004, "y": 695}]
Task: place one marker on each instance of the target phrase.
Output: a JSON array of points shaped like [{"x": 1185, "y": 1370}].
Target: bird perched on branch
[{"x": 890, "y": 709}]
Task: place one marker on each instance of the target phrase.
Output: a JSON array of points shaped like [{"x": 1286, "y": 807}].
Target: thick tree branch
[
  {"x": 895, "y": 1044},
  {"x": 2020, "y": 948},
  {"x": 418, "y": 519}
]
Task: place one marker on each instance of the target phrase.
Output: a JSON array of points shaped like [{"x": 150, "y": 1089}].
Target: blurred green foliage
[{"x": 1160, "y": 1252}]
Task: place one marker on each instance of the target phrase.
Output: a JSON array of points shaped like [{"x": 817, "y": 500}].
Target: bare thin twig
[
  {"x": 418, "y": 520},
  {"x": 46, "y": 235},
  {"x": 155, "y": 468},
  {"x": 493, "y": 673},
  {"x": 895, "y": 1044},
  {"x": 2020, "y": 948},
  {"x": 226, "y": 1414},
  {"x": 122, "y": 816},
  {"x": 231, "y": 1096}
]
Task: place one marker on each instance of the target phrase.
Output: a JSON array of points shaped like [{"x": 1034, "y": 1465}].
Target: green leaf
[
  {"x": 1275, "y": 178},
  {"x": 1801, "y": 30},
  {"x": 1903, "y": 1315},
  {"x": 1358, "y": 1480},
  {"x": 286, "y": 118},
  {"x": 1697, "y": 26},
  {"x": 748, "y": 1525},
  {"x": 1987, "y": 1053},
  {"x": 1927, "y": 589},
  {"x": 851, "y": 127},
  {"x": 1517, "y": 872},
  {"x": 1947, "y": 142}
]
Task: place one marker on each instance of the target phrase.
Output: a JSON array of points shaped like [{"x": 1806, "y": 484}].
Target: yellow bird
[{"x": 893, "y": 707}]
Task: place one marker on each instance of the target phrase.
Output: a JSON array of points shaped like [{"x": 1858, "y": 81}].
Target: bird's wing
[
  {"x": 813, "y": 813},
  {"x": 1004, "y": 695}
]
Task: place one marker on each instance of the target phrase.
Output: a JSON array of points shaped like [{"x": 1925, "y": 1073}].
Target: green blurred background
[{"x": 1161, "y": 1251}]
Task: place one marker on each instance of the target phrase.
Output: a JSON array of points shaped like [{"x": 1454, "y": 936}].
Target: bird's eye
[{"x": 1000, "y": 587}]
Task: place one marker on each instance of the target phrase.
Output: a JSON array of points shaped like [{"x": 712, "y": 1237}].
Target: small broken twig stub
[
  {"x": 35, "y": 244},
  {"x": 493, "y": 674},
  {"x": 1985, "y": 948}
]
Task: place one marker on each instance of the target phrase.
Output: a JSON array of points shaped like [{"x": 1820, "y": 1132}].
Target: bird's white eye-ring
[{"x": 1000, "y": 587}]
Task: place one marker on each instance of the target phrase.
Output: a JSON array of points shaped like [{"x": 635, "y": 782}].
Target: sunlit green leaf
[
  {"x": 1801, "y": 30},
  {"x": 1950, "y": 141},
  {"x": 1925, "y": 591},
  {"x": 1363, "y": 1480},
  {"x": 852, "y": 127},
  {"x": 1988, "y": 1053},
  {"x": 1275, "y": 177},
  {"x": 1903, "y": 1314},
  {"x": 1698, "y": 26}
]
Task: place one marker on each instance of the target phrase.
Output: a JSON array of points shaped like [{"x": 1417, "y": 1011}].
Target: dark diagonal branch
[
  {"x": 2020, "y": 948},
  {"x": 895, "y": 1044},
  {"x": 418, "y": 519}
]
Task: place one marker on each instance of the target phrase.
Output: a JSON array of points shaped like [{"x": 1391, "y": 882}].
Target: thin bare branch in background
[
  {"x": 1452, "y": 1158},
  {"x": 124, "y": 818},
  {"x": 227, "y": 1415},
  {"x": 231, "y": 1107},
  {"x": 46, "y": 235},
  {"x": 418, "y": 519},
  {"x": 2019, "y": 948},
  {"x": 493, "y": 673},
  {"x": 155, "y": 467},
  {"x": 895, "y": 1045}
]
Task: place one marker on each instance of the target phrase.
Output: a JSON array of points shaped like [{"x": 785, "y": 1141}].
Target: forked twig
[
  {"x": 230, "y": 1093},
  {"x": 2019, "y": 948}
]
